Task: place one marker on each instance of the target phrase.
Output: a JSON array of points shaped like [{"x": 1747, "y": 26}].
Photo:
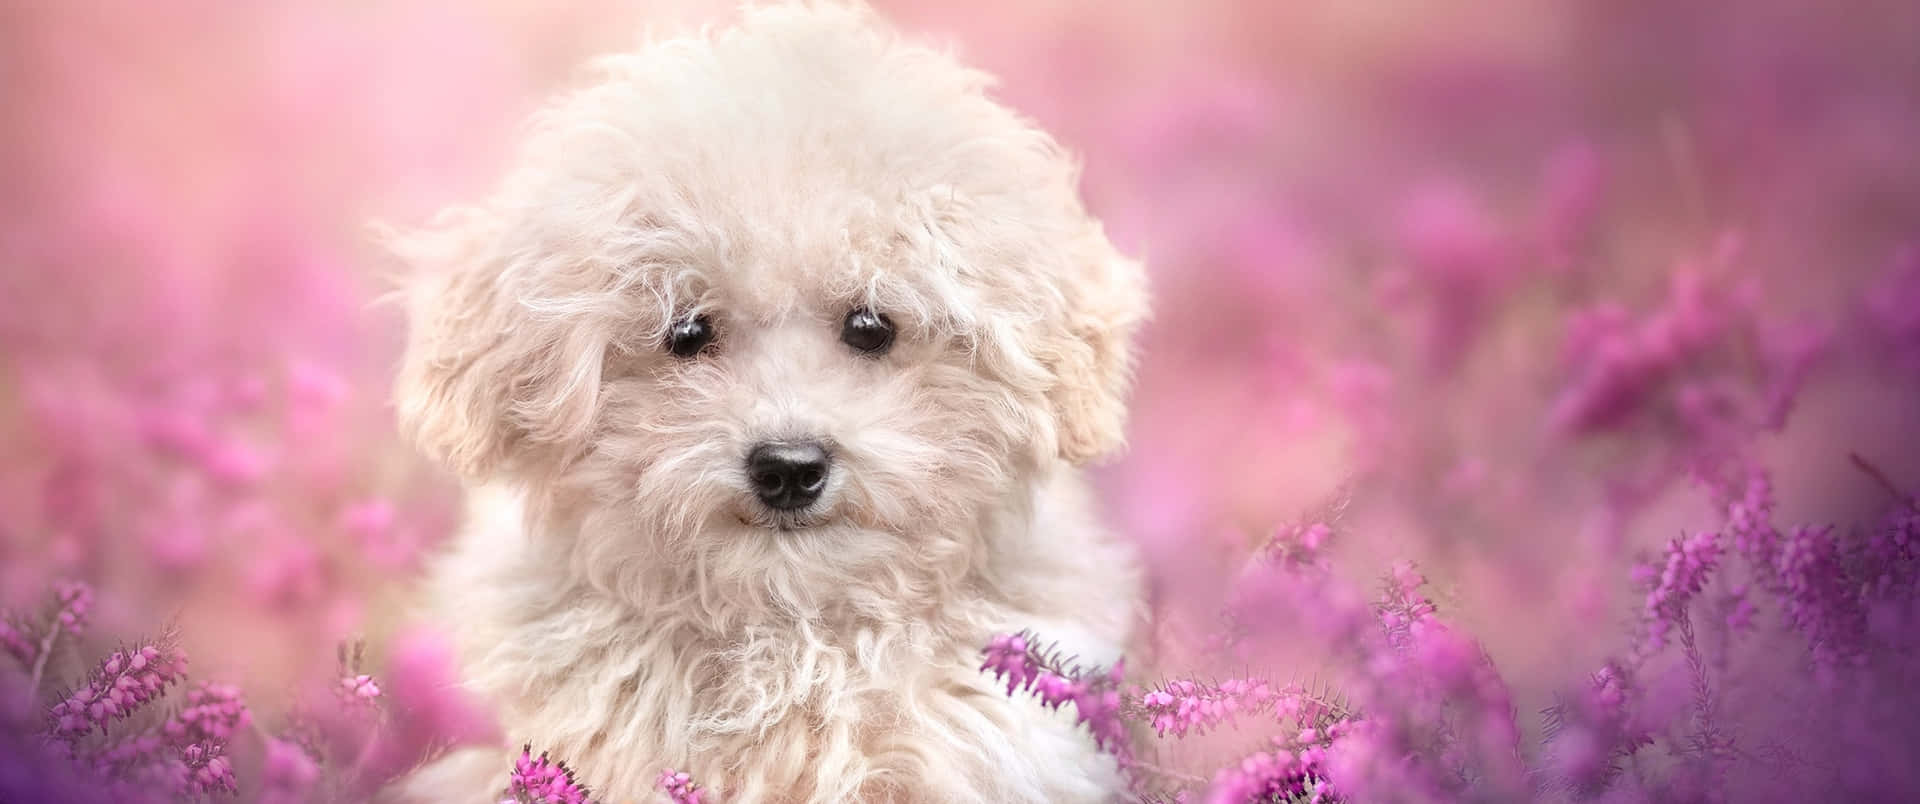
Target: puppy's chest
[
  {"x": 784, "y": 717},
  {"x": 713, "y": 690}
]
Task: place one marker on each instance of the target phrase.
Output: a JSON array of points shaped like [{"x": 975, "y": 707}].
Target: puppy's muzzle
[{"x": 788, "y": 475}]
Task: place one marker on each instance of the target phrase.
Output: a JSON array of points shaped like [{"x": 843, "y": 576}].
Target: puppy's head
[{"x": 792, "y": 295}]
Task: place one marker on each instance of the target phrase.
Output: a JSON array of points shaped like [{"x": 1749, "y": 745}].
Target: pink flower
[
  {"x": 1269, "y": 776},
  {"x": 1819, "y": 596},
  {"x": 1181, "y": 706},
  {"x": 1689, "y": 563},
  {"x": 69, "y": 612},
  {"x": 680, "y": 787},
  {"x": 426, "y": 705},
  {"x": 539, "y": 780},
  {"x": 288, "y": 772},
  {"x": 1007, "y": 657},
  {"x": 207, "y": 770},
  {"x": 213, "y": 714},
  {"x": 360, "y": 688},
  {"x": 1095, "y": 695},
  {"x": 123, "y": 682},
  {"x": 17, "y": 641}
]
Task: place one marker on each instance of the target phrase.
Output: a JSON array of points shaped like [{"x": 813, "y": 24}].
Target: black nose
[{"x": 788, "y": 474}]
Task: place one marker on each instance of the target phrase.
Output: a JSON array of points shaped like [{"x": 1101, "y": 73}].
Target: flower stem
[
  {"x": 1881, "y": 477},
  {"x": 40, "y": 658}
]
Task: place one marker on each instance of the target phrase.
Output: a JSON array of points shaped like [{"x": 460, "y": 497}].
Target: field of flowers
[{"x": 1531, "y": 409}]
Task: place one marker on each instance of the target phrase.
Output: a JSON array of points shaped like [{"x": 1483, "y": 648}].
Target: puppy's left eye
[
  {"x": 868, "y": 332},
  {"x": 688, "y": 337}
]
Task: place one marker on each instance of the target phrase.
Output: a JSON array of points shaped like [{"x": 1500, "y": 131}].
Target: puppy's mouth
[{"x": 781, "y": 521}]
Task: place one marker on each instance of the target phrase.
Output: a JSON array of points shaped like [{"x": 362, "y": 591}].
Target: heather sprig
[
  {"x": 123, "y": 682},
  {"x": 539, "y": 780},
  {"x": 1282, "y": 775},
  {"x": 1183, "y": 705},
  {"x": 32, "y": 644},
  {"x": 288, "y": 774},
  {"x": 214, "y": 713},
  {"x": 128, "y": 755},
  {"x": 16, "y": 639},
  {"x": 353, "y": 688},
  {"x": 1404, "y": 608},
  {"x": 1024, "y": 664},
  {"x": 1179, "y": 706},
  {"x": 73, "y": 605},
  {"x": 206, "y": 770},
  {"x": 680, "y": 787},
  {"x": 1822, "y": 582},
  {"x": 1686, "y": 568},
  {"x": 1820, "y": 597},
  {"x": 1590, "y": 733}
]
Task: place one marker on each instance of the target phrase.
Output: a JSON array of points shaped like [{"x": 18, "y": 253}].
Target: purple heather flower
[
  {"x": 1690, "y": 562},
  {"x": 213, "y": 713},
  {"x": 1739, "y": 609},
  {"x": 1404, "y": 609},
  {"x": 1749, "y": 513},
  {"x": 1893, "y": 554},
  {"x": 1182, "y": 705},
  {"x": 1095, "y": 695},
  {"x": 1277, "y": 775},
  {"x": 1619, "y": 367},
  {"x": 121, "y": 684},
  {"x": 539, "y": 780},
  {"x": 680, "y": 787},
  {"x": 206, "y": 770},
  {"x": 425, "y": 707},
  {"x": 287, "y": 773},
  {"x": 16, "y": 640},
  {"x": 359, "y": 688},
  {"x": 127, "y": 756},
  {"x": 73, "y": 605},
  {"x": 1097, "y": 705},
  {"x": 1818, "y": 596},
  {"x": 1007, "y": 656}
]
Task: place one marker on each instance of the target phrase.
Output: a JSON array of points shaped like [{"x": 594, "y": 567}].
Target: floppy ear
[
  {"x": 494, "y": 376},
  {"x": 1104, "y": 295}
]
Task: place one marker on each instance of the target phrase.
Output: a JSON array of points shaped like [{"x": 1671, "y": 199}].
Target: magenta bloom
[
  {"x": 1184, "y": 705},
  {"x": 1270, "y": 776},
  {"x": 122, "y": 683},
  {"x": 1095, "y": 695},
  {"x": 1007, "y": 658},
  {"x": 17, "y": 641},
  {"x": 539, "y": 780},
  {"x": 27, "y": 642},
  {"x": 1689, "y": 563},
  {"x": 359, "y": 688},
  {"x": 288, "y": 773},
  {"x": 206, "y": 770},
  {"x": 680, "y": 787},
  {"x": 214, "y": 713}
]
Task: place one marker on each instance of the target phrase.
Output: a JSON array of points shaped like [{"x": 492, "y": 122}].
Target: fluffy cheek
[
  {"x": 941, "y": 448},
  {"x": 667, "y": 456}
]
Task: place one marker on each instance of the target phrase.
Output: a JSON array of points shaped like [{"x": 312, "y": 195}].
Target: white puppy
[{"x": 769, "y": 367}]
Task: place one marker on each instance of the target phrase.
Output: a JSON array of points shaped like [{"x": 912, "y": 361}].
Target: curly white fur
[{"x": 610, "y": 594}]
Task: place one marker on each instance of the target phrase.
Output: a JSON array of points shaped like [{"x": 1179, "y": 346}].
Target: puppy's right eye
[
  {"x": 868, "y": 332},
  {"x": 689, "y": 336}
]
